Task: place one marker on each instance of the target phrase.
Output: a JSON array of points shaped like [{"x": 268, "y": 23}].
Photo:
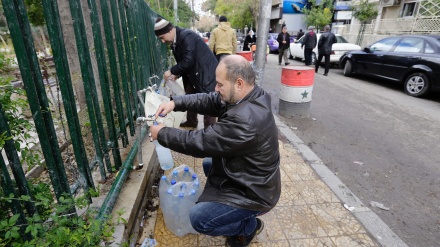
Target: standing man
[
  {"x": 284, "y": 45},
  {"x": 195, "y": 63},
  {"x": 309, "y": 43},
  {"x": 299, "y": 34},
  {"x": 223, "y": 41},
  {"x": 243, "y": 180},
  {"x": 325, "y": 43}
]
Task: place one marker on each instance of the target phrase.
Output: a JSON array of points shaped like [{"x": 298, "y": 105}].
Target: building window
[{"x": 409, "y": 9}]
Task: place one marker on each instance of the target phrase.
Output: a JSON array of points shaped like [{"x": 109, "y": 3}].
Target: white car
[{"x": 338, "y": 49}]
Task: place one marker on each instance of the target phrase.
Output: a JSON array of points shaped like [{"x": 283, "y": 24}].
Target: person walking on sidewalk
[
  {"x": 284, "y": 45},
  {"x": 243, "y": 180},
  {"x": 299, "y": 34},
  {"x": 309, "y": 43},
  {"x": 249, "y": 40},
  {"x": 325, "y": 43},
  {"x": 195, "y": 63},
  {"x": 223, "y": 41}
]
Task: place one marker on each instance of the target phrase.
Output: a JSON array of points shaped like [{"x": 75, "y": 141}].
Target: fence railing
[
  {"x": 417, "y": 25},
  {"x": 127, "y": 55}
]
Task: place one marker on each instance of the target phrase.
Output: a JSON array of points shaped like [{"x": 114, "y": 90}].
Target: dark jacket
[
  {"x": 309, "y": 41},
  {"x": 243, "y": 145},
  {"x": 195, "y": 62},
  {"x": 249, "y": 40},
  {"x": 299, "y": 35},
  {"x": 280, "y": 41},
  {"x": 325, "y": 43}
]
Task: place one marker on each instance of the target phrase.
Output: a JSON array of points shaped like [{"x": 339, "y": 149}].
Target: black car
[{"x": 413, "y": 60}]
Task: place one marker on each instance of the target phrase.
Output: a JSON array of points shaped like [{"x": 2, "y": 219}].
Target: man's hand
[
  {"x": 168, "y": 75},
  {"x": 154, "y": 130},
  {"x": 165, "y": 108},
  {"x": 284, "y": 41}
]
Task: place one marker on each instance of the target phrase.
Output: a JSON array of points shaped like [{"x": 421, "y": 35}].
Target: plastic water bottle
[
  {"x": 175, "y": 87},
  {"x": 186, "y": 176},
  {"x": 194, "y": 177},
  {"x": 175, "y": 175},
  {"x": 164, "y": 155},
  {"x": 163, "y": 185}
]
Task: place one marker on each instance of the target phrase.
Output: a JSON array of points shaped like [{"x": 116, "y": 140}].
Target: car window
[
  {"x": 341, "y": 39},
  {"x": 385, "y": 44},
  {"x": 429, "y": 48},
  {"x": 410, "y": 45},
  {"x": 300, "y": 40}
]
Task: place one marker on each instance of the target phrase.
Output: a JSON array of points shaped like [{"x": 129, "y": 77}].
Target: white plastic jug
[{"x": 152, "y": 102}]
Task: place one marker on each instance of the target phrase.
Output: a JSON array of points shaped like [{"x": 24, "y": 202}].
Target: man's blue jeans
[{"x": 218, "y": 219}]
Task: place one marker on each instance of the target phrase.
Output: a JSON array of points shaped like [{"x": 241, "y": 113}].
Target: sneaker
[
  {"x": 243, "y": 241},
  {"x": 188, "y": 124},
  {"x": 316, "y": 69},
  {"x": 287, "y": 63}
]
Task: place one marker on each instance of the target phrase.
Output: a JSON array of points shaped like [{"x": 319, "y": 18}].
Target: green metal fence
[{"x": 127, "y": 55}]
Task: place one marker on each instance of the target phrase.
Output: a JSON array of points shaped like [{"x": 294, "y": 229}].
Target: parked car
[
  {"x": 338, "y": 49},
  {"x": 272, "y": 42},
  {"x": 413, "y": 60}
]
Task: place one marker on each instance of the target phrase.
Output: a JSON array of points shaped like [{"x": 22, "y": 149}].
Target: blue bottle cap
[
  {"x": 173, "y": 182},
  {"x": 194, "y": 176},
  {"x": 183, "y": 186},
  {"x": 196, "y": 183},
  {"x": 181, "y": 195},
  {"x": 192, "y": 192},
  {"x": 170, "y": 191},
  {"x": 164, "y": 177},
  {"x": 186, "y": 169},
  {"x": 175, "y": 172}
]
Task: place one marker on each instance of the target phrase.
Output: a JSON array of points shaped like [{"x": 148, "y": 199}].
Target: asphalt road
[{"x": 382, "y": 144}]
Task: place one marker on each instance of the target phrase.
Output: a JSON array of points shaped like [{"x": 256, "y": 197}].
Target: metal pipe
[
  {"x": 112, "y": 196},
  {"x": 263, "y": 26}
]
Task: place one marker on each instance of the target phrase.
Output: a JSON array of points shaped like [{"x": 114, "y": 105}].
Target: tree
[
  {"x": 166, "y": 9},
  {"x": 205, "y": 24},
  {"x": 363, "y": 11},
  {"x": 239, "y": 12},
  {"x": 318, "y": 15}
]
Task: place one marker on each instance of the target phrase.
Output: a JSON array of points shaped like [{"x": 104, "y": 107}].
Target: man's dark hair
[
  {"x": 222, "y": 19},
  {"x": 300, "y": 30}
]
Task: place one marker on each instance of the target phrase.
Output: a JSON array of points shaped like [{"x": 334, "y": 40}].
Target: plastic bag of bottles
[{"x": 178, "y": 193}]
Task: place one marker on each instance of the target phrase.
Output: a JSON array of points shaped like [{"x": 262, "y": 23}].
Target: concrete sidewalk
[
  {"x": 307, "y": 214},
  {"x": 310, "y": 211}
]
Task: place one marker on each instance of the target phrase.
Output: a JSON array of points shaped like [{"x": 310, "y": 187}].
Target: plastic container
[
  {"x": 175, "y": 87},
  {"x": 186, "y": 176},
  {"x": 164, "y": 155}
]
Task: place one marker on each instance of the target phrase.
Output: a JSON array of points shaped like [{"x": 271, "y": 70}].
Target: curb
[{"x": 372, "y": 223}]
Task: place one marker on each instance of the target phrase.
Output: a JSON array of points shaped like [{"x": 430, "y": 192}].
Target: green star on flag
[{"x": 304, "y": 94}]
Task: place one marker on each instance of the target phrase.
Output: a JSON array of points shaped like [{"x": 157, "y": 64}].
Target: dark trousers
[
  {"x": 327, "y": 62},
  {"x": 219, "y": 56},
  {"x": 308, "y": 55},
  {"x": 191, "y": 117}
]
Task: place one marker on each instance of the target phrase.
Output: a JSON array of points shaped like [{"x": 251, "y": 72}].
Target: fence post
[
  {"x": 53, "y": 23},
  {"x": 19, "y": 28},
  {"x": 14, "y": 162}
]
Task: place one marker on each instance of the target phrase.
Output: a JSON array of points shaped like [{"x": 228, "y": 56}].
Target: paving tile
[
  {"x": 164, "y": 237},
  {"x": 272, "y": 228},
  {"x": 357, "y": 240},
  {"x": 207, "y": 241},
  {"x": 336, "y": 220},
  {"x": 313, "y": 242},
  {"x": 315, "y": 192},
  {"x": 299, "y": 222},
  {"x": 290, "y": 196},
  {"x": 281, "y": 243}
]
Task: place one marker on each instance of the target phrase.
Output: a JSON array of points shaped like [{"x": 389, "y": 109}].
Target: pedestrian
[
  {"x": 208, "y": 34},
  {"x": 249, "y": 40},
  {"x": 309, "y": 43},
  {"x": 325, "y": 43},
  {"x": 195, "y": 64},
  {"x": 284, "y": 45},
  {"x": 224, "y": 39},
  {"x": 299, "y": 34},
  {"x": 243, "y": 180}
]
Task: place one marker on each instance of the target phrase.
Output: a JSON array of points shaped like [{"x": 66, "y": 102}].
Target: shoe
[
  {"x": 287, "y": 64},
  {"x": 243, "y": 241},
  {"x": 325, "y": 74},
  {"x": 316, "y": 69},
  {"x": 188, "y": 124}
]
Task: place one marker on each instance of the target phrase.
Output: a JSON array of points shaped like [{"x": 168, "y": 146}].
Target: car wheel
[
  {"x": 348, "y": 68},
  {"x": 417, "y": 85},
  {"x": 313, "y": 58}
]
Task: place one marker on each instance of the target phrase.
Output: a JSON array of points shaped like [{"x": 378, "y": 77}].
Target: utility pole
[
  {"x": 176, "y": 17},
  {"x": 263, "y": 27}
]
